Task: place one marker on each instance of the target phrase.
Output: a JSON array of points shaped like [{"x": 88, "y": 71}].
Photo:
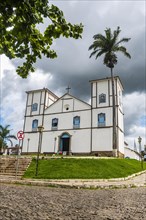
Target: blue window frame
[
  {"x": 34, "y": 125},
  {"x": 54, "y": 123},
  {"x": 102, "y": 98},
  {"x": 101, "y": 120},
  {"x": 34, "y": 107},
  {"x": 76, "y": 122}
]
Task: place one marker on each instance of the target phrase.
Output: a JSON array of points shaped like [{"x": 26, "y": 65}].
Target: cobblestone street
[{"x": 39, "y": 203}]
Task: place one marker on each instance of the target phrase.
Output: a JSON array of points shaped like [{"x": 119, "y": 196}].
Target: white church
[{"x": 72, "y": 126}]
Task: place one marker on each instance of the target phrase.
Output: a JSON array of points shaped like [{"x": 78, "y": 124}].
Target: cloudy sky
[{"x": 73, "y": 66}]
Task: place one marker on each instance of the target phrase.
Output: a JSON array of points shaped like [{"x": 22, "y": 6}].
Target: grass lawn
[{"x": 83, "y": 168}]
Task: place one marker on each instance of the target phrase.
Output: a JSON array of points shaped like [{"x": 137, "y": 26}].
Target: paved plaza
[
  {"x": 41, "y": 203},
  {"x": 114, "y": 199}
]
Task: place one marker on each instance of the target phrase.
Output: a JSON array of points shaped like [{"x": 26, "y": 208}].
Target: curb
[
  {"x": 80, "y": 184},
  {"x": 73, "y": 185}
]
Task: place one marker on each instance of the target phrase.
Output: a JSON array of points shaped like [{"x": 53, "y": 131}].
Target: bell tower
[
  {"x": 37, "y": 102},
  {"x": 102, "y": 116}
]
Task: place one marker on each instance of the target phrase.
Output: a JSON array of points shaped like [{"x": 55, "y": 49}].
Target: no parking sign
[{"x": 20, "y": 135}]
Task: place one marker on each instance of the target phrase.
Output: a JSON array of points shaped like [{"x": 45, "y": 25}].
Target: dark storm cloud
[{"x": 73, "y": 65}]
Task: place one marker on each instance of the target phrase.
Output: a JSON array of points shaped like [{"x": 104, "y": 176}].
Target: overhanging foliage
[{"x": 20, "y": 36}]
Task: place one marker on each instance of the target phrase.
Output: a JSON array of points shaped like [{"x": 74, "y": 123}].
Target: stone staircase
[{"x": 13, "y": 166}]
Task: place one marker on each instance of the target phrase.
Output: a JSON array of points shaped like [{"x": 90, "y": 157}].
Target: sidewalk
[{"x": 135, "y": 180}]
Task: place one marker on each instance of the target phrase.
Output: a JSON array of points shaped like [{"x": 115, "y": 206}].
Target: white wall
[
  {"x": 29, "y": 120},
  {"x": 131, "y": 154},
  {"x": 102, "y": 139},
  {"x": 33, "y": 143},
  {"x": 99, "y": 87},
  {"x": 108, "y": 113},
  {"x": 79, "y": 140},
  {"x": 65, "y": 120},
  {"x": 121, "y": 141}
]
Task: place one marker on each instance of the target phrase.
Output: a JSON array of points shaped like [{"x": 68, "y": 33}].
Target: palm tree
[
  {"x": 108, "y": 46},
  {"x": 5, "y": 136}
]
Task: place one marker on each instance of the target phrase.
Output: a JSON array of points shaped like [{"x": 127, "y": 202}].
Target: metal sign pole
[
  {"x": 20, "y": 136},
  {"x": 17, "y": 163}
]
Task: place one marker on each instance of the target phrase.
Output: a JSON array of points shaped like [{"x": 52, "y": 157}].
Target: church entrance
[{"x": 65, "y": 143}]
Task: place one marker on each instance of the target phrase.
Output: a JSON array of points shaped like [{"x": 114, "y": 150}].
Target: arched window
[
  {"x": 54, "y": 123},
  {"x": 34, "y": 107},
  {"x": 101, "y": 120},
  {"x": 102, "y": 98},
  {"x": 34, "y": 125},
  {"x": 76, "y": 122}
]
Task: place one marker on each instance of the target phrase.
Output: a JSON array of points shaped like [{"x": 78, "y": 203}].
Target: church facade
[{"x": 72, "y": 126}]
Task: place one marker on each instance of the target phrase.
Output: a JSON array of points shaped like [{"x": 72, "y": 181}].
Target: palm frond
[
  {"x": 92, "y": 46},
  {"x": 123, "y": 40},
  {"x": 108, "y": 33},
  {"x": 99, "y": 37},
  {"x": 100, "y": 53},
  {"x": 124, "y": 51},
  {"x": 12, "y": 136},
  {"x": 96, "y": 44},
  {"x": 116, "y": 33},
  {"x": 6, "y": 127},
  {"x": 94, "y": 52},
  {"x": 115, "y": 36}
]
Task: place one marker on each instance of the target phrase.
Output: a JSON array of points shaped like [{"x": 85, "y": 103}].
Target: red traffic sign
[{"x": 20, "y": 135}]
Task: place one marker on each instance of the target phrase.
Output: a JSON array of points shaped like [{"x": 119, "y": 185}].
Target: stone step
[
  {"x": 9, "y": 177},
  {"x": 13, "y": 161},
  {"x": 8, "y": 166},
  {"x": 11, "y": 170},
  {"x": 11, "y": 174},
  {"x": 14, "y": 165}
]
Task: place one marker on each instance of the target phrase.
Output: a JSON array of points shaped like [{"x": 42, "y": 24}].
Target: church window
[
  {"x": 34, "y": 107},
  {"x": 54, "y": 123},
  {"x": 76, "y": 122},
  {"x": 34, "y": 125},
  {"x": 102, "y": 98},
  {"x": 101, "y": 120}
]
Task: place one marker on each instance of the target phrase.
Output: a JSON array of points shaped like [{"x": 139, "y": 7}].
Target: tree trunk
[{"x": 114, "y": 115}]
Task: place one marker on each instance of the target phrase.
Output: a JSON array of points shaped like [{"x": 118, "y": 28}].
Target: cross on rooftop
[{"x": 68, "y": 88}]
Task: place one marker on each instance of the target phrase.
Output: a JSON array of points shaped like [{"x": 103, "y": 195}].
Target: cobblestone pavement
[{"x": 41, "y": 203}]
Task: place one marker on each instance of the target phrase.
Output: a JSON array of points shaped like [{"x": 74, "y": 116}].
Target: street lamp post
[
  {"x": 145, "y": 149},
  {"x": 40, "y": 130},
  {"x": 55, "y": 144},
  {"x": 139, "y": 141},
  {"x": 28, "y": 144},
  {"x": 140, "y": 150}
]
